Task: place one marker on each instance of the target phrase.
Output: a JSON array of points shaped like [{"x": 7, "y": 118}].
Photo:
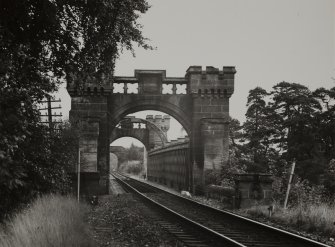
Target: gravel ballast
[{"x": 123, "y": 220}]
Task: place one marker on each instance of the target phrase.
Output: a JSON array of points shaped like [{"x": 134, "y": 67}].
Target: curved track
[{"x": 212, "y": 226}]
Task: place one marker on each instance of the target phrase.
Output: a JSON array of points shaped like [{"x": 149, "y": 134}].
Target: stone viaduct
[{"x": 199, "y": 101}]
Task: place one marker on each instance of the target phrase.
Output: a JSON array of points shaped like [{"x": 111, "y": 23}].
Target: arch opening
[
  {"x": 139, "y": 106},
  {"x": 128, "y": 155}
]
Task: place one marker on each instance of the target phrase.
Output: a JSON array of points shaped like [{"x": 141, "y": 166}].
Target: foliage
[
  {"x": 135, "y": 153},
  {"x": 290, "y": 122},
  {"x": 237, "y": 160},
  {"x": 303, "y": 193},
  {"x": 134, "y": 167},
  {"x": 43, "y": 43},
  {"x": 326, "y": 121},
  {"x": 212, "y": 177},
  {"x": 329, "y": 176},
  {"x": 257, "y": 129},
  {"x": 40, "y": 165},
  {"x": 131, "y": 160},
  {"x": 131, "y": 153},
  {"x": 295, "y": 107},
  {"x": 78, "y": 39}
]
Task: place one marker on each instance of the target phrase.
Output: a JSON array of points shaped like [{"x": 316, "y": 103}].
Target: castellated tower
[{"x": 163, "y": 123}]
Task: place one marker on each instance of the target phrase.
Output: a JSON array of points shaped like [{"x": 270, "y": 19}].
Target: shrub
[
  {"x": 132, "y": 166},
  {"x": 212, "y": 177},
  {"x": 303, "y": 193},
  {"x": 38, "y": 165}
]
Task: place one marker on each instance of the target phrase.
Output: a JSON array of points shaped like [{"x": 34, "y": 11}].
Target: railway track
[{"x": 196, "y": 224}]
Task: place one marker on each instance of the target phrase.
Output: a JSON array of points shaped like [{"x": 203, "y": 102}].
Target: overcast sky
[{"x": 268, "y": 41}]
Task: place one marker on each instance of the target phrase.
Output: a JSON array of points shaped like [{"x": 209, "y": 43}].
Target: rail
[{"x": 247, "y": 233}]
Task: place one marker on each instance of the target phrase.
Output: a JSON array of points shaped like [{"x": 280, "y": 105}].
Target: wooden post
[
  {"x": 78, "y": 179},
  {"x": 289, "y": 184}
]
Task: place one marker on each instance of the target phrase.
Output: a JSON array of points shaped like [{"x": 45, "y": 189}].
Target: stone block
[{"x": 253, "y": 189}]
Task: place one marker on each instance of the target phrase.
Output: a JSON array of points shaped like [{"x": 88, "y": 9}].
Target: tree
[
  {"x": 44, "y": 43},
  {"x": 326, "y": 121},
  {"x": 135, "y": 153},
  {"x": 40, "y": 164},
  {"x": 295, "y": 108},
  {"x": 296, "y": 122},
  {"x": 67, "y": 38},
  {"x": 258, "y": 129},
  {"x": 330, "y": 177}
]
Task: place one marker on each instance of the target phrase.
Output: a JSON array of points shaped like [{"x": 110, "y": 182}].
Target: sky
[{"x": 268, "y": 41}]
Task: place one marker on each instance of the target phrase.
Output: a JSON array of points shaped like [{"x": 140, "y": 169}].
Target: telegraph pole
[
  {"x": 50, "y": 114},
  {"x": 289, "y": 184}
]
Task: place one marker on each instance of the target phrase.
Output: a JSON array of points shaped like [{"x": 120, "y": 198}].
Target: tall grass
[
  {"x": 318, "y": 218},
  {"x": 51, "y": 220}
]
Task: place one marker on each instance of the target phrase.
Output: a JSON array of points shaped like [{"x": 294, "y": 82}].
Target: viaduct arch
[{"x": 199, "y": 101}]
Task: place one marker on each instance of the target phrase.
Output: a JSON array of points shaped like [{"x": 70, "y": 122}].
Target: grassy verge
[
  {"x": 51, "y": 220},
  {"x": 312, "y": 218}
]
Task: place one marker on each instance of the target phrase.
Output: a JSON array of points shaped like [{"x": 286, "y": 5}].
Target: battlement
[
  {"x": 211, "y": 81},
  {"x": 210, "y": 70},
  {"x": 162, "y": 122},
  {"x": 197, "y": 81}
]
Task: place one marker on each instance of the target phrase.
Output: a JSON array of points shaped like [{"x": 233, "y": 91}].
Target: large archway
[
  {"x": 162, "y": 104},
  {"x": 202, "y": 109}
]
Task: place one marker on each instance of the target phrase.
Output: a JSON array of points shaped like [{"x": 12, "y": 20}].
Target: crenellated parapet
[
  {"x": 211, "y": 81},
  {"x": 151, "y": 82},
  {"x": 162, "y": 122}
]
